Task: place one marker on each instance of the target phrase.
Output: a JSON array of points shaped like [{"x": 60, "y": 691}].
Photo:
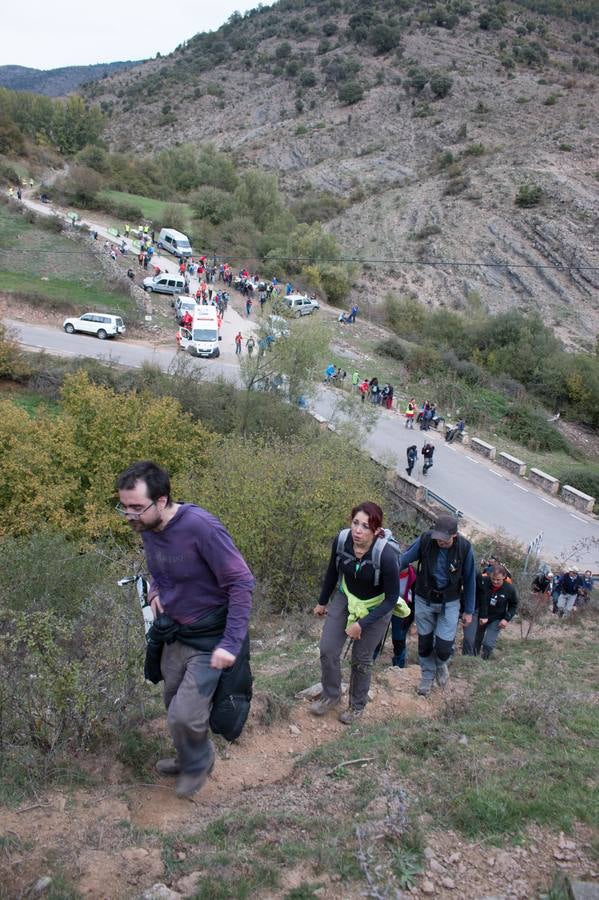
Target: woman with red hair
[{"x": 358, "y": 596}]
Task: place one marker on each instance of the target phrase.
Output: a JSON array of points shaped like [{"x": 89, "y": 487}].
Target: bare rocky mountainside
[
  {"x": 428, "y": 137},
  {"x": 57, "y": 82}
]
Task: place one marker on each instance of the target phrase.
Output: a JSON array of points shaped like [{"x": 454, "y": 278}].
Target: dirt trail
[{"x": 91, "y": 830}]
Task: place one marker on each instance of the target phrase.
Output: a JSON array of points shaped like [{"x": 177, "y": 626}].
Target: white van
[
  {"x": 175, "y": 242},
  {"x": 203, "y": 337},
  {"x": 165, "y": 284}
]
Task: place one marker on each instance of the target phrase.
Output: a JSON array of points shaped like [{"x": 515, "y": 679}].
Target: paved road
[
  {"x": 485, "y": 493},
  {"x": 132, "y": 355}
]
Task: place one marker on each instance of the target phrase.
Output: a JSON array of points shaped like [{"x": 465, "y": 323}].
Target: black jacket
[
  {"x": 231, "y": 700},
  {"x": 500, "y": 604}
]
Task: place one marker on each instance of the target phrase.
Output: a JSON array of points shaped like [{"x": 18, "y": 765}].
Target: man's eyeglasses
[{"x": 132, "y": 514}]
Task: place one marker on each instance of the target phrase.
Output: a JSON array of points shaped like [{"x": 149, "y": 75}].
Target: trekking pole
[
  {"x": 348, "y": 647},
  {"x": 382, "y": 647}
]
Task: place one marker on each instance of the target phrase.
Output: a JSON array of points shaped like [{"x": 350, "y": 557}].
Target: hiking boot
[
  {"x": 168, "y": 767},
  {"x": 190, "y": 784},
  {"x": 486, "y": 653},
  {"x": 425, "y": 686},
  {"x": 322, "y": 706},
  {"x": 442, "y": 675},
  {"x": 350, "y": 715}
]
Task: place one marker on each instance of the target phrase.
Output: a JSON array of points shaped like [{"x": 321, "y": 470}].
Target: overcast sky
[{"x": 48, "y": 34}]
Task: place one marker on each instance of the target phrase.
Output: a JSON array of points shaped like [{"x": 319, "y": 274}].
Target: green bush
[
  {"x": 383, "y": 38},
  {"x": 74, "y": 670},
  {"x": 530, "y": 427},
  {"x": 440, "y": 85},
  {"x": 308, "y": 79},
  {"x": 474, "y": 150},
  {"x": 583, "y": 478},
  {"x": 351, "y": 92},
  {"x": 529, "y": 195},
  {"x": 489, "y": 22},
  {"x": 417, "y": 79}
]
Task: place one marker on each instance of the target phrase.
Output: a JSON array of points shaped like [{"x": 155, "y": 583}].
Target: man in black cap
[{"x": 446, "y": 570}]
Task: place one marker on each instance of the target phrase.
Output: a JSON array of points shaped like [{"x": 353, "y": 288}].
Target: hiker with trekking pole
[{"x": 360, "y": 591}]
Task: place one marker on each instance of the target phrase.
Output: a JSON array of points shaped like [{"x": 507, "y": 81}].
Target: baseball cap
[
  {"x": 445, "y": 528},
  {"x": 573, "y": 569}
]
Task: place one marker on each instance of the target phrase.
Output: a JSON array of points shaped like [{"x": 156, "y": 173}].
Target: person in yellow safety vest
[
  {"x": 126, "y": 230},
  {"x": 410, "y": 413},
  {"x": 360, "y": 591}
]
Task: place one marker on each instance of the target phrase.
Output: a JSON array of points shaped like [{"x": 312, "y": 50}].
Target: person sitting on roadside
[
  {"x": 453, "y": 432},
  {"x": 357, "y": 606},
  {"x": 498, "y": 605}
]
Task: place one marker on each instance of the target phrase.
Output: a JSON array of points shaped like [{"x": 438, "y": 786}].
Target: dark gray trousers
[
  {"x": 189, "y": 686},
  {"x": 331, "y": 645}
]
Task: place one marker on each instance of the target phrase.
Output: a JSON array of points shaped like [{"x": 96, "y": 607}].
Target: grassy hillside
[
  {"x": 151, "y": 209},
  {"x": 53, "y": 270}
]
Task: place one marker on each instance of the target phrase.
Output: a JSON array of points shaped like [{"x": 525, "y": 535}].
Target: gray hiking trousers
[
  {"x": 189, "y": 686},
  {"x": 331, "y": 646}
]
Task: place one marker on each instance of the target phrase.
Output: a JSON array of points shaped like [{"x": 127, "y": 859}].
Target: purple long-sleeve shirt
[{"x": 196, "y": 568}]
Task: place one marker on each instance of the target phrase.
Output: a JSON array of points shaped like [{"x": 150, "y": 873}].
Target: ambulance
[{"x": 203, "y": 336}]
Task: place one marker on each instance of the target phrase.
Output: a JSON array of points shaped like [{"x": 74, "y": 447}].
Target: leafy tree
[
  {"x": 335, "y": 282},
  {"x": 296, "y": 358},
  {"x": 383, "y": 37},
  {"x": 309, "y": 244},
  {"x": 81, "y": 186},
  {"x": 258, "y": 195},
  {"x": 213, "y": 204}
]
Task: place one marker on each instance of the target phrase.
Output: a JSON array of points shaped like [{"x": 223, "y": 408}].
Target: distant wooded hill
[{"x": 58, "y": 82}]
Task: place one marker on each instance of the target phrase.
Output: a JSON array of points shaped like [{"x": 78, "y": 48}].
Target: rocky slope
[{"x": 426, "y": 183}]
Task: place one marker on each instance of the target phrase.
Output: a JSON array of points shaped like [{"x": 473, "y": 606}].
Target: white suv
[{"x": 100, "y": 324}]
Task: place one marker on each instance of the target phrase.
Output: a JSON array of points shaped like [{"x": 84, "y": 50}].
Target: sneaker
[
  {"x": 425, "y": 686},
  {"x": 350, "y": 715},
  {"x": 190, "y": 784},
  {"x": 322, "y": 706},
  {"x": 442, "y": 674},
  {"x": 168, "y": 767}
]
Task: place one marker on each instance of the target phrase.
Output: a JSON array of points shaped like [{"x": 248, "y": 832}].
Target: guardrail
[{"x": 430, "y": 495}]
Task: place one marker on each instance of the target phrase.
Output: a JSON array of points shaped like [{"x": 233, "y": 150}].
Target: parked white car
[{"x": 100, "y": 324}]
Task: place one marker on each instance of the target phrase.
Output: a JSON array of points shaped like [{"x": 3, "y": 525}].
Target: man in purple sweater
[{"x": 197, "y": 574}]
